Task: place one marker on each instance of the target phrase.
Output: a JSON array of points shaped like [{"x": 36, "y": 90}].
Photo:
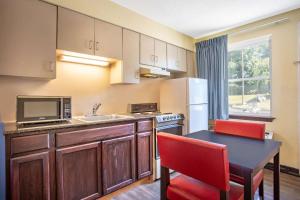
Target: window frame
[{"x": 239, "y": 46}]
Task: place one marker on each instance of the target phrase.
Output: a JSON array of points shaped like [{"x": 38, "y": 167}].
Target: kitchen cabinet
[
  {"x": 127, "y": 71},
  {"x": 176, "y": 58},
  {"x": 78, "y": 162},
  {"x": 153, "y": 52},
  {"x": 147, "y": 56},
  {"x": 75, "y": 32},
  {"x": 30, "y": 177},
  {"x": 144, "y": 154},
  {"x": 118, "y": 161},
  {"x": 191, "y": 64},
  {"x": 78, "y": 172},
  {"x": 172, "y": 59},
  {"x": 28, "y": 38},
  {"x": 160, "y": 54},
  {"x": 181, "y": 60},
  {"x": 83, "y": 34},
  {"x": 108, "y": 40}
]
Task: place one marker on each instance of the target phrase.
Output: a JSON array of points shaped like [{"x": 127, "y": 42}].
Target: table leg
[
  {"x": 276, "y": 174},
  {"x": 248, "y": 193}
]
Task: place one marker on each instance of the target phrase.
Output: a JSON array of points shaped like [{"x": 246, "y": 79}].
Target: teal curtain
[{"x": 212, "y": 65}]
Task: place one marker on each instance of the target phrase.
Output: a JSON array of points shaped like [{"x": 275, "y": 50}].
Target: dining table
[{"x": 246, "y": 157}]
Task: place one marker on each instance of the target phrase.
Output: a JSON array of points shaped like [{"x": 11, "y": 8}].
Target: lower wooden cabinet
[
  {"x": 118, "y": 163},
  {"x": 30, "y": 178},
  {"x": 79, "y": 172},
  {"x": 144, "y": 154},
  {"x": 98, "y": 161}
]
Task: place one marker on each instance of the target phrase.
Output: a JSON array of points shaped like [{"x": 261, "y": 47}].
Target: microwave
[{"x": 39, "y": 109}]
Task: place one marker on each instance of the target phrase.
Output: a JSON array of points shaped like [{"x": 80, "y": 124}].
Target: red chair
[
  {"x": 204, "y": 169},
  {"x": 249, "y": 130}
]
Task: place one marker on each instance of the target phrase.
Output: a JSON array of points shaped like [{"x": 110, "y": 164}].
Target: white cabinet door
[
  {"x": 75, "y": 32},
  {"x": 27, "y": 38},
  {"x": 147, "y": 56},
  {"x": 108, "y": 40},
  {"x": 197, "y": 118},
  {"x": 160, "y": 54}
]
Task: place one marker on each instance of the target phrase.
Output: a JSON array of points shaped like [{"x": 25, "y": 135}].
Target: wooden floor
[{"x": 289, "y": 189}]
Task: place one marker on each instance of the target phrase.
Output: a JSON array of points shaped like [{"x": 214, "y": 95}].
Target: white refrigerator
[{"x": 189, "y": 97}]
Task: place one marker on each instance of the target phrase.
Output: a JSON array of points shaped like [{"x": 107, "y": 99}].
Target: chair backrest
[
  {"x": 205, "y": 161},
  {"x": 244, "y": 129}
]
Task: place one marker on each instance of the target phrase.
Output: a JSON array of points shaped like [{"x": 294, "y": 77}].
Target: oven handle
[{"x": 168, "y": 126}]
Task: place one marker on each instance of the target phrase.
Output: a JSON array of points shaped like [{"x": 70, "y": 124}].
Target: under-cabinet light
[{"x": 87, "y": 61}]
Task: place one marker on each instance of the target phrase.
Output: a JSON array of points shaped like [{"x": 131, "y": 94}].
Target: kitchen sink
[{"x": 99, "y": 118}]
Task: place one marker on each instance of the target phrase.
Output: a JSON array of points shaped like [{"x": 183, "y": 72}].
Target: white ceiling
[{"x": 198, "y": 18}]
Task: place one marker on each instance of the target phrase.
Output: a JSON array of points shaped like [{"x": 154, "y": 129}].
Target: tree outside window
[{"x": 249, "y": 72}]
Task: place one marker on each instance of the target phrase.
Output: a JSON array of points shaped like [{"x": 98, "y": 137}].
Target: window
[{"x": 249, "y": 72}]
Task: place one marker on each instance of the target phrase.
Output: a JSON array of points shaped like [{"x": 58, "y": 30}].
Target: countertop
[{"x": 12, "y": 128}]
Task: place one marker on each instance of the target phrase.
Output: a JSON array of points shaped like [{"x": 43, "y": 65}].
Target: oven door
[
  {"x": 38, "y": 109},
  {"x": 175, "y": 129}
]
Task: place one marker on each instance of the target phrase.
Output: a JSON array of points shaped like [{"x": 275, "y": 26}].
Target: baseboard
[{"x": 285, "y": 169}]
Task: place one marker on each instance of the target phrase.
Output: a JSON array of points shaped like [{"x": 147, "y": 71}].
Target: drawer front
[
  {"x": 93, "y": 134},
  {"x": 146, "y": 125},
  {"x": 29, "y": 143}
]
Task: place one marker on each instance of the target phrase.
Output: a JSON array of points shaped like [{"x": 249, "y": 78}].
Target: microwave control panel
[{"x": 67, "y": 108}]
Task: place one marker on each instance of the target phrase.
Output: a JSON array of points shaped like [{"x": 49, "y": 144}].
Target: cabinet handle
[
  {"x": 91, "y": 44},
  {"x": 97, "y": 46},
  {"x": 137, "y": 74},
  {"x": 51, "y": 66},
  {"x": 152, "y": 57}
]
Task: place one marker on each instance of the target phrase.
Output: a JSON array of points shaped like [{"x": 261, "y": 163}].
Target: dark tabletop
[{"x": 244, "y": 153}]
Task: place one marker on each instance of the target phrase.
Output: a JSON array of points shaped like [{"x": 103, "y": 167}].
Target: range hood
[{"x": 153, "y": 72}]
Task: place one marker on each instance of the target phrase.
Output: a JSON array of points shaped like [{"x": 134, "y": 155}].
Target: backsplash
[{"x": 86, "y": 84}]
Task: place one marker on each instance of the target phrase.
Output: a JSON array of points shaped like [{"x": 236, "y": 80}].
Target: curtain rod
[{"x": 260, "y": 26}]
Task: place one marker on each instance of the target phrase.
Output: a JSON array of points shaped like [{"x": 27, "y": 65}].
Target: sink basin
[{"x": 98, "y": 118}]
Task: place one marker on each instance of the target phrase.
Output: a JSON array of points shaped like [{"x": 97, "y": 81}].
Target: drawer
[
  {"x": 93, "y": 134},
  {"x": 29, "y": 143},
  {"x": 145, "y": 125}
]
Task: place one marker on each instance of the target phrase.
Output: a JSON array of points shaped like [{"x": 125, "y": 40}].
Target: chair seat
[
  {"x": 186, "y": 188},
  {"x": 256, "y": 179}
]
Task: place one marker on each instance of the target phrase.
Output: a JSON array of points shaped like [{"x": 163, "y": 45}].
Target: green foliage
[{"x": 249, "y": 78}]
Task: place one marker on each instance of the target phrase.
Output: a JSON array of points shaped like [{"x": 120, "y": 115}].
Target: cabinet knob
[
  {"x": 137, "y": 74},
  {"x": 51, "y": 66},
  {"x": 91, "y": 44},
  {"x": 97, "y": 46}
]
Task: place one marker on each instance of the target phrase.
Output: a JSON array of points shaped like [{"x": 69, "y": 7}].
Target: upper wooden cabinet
[
  {"x": 153, "y": 52},
  {"x": 191, "y": 64},
  {"x": 147, "y": 56},
  {"x": 172, "y": 60},
  {"x": 182, "y": 60},
  {"x": 83, "y": 34},
  {"x": 28, "y": 38},
  {"x": 176, "y": 58},
  {"x": 108, "y": 40},
  {"x": 75, "y": 32},
  {"x": 160, "y": 59}
]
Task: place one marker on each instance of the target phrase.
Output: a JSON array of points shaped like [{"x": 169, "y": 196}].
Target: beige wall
[
  {"x": 284, "y": 81},
  {"x": 113, "y": 13},
  {"x": 86, "y": 84}
]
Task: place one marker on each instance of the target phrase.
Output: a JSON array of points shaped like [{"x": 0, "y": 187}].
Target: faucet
[{"x": 96, "y": 106}]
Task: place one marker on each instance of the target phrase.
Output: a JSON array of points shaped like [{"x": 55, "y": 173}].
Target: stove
[
  {"x": 152, "y": 109},
  {"x": 171, "y": 123}
]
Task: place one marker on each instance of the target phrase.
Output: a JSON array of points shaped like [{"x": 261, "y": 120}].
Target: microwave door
[{"x": 38, "y": 109}]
